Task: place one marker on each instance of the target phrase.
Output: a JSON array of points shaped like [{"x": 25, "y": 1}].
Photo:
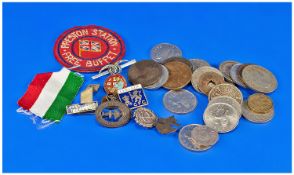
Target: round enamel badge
[
  {"x": 114, "y": 82},
  {"x": 88, "y": 48}
]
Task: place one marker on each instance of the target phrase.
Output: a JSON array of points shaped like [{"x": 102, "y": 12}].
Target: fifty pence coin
[
  {"x": 163, "y": 51},
  {"x": 225, "y": 68},
  {"x": 208, "y": 80},
  {"x": 235, "y": 76},
  {"x": 259, "y": 79},
  {"x": 229, "y": 100},
  {"x": 226, "y": 89},
  {"x": 256, "y": 117},
  {"x": 180, "y": 101},
  {"x": 260, "y": 103},
  {"x": 179, "y": 75},
  {"x": 163, "y": 79},
  {"x": 221, "y": 116},
  {"x": 145, "y": 72},
  {"x": 196, "y": 63},
  {"x": 145, "y": 117}
]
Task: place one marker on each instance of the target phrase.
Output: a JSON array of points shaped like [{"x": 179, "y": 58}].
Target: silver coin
[
  {"x": 196, "y": 63},
  {"x": 259, "y": 79},
  {"x": 145, "y": 117},
  {"x": 235, "y": 75},
  {"x": 255, "y": 117},
  {"x": 180, "y": 101},
  {"x": 200, "y": 71},
  {"x": 188, "y": 141},
  {"x": 225, "y": 68},
  {"x": 229, "y": 100},
  {"x": 226, "y": 89},
  {"x": 163, "y": 51},
  {"x": 221, "y": 116},
  {"x": 163, "y": 79},
  {"x": 204, "y": 136}
]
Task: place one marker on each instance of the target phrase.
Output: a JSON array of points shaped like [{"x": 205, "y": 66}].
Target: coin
[
  {"x": 204, "y": 136},
  {"x": 180, "y": 59},
  {"x": 198, "y": 72},
  {"x": 180, "y": 101},
  {"x": 163, "y": 79},
  {"x": 229, "y": 100},
  {"x": 145, "y": 72},
  {"x": 198, "y": 63},
  {"x": 208, "y": 80},
  {"x": 221, "y": 116},
  {"x": 234, "y": 75},
  {"x": 163, "y": 51},
  {"x": 226, "y": 89},
  {"x": 225, "y": 68},
  {"x": 255, "y": 117},
  {"x": 113, "y": 114},
  {"x": 191, "y": 140},
  {"x": 260, "y": 103},
  {"x": 179, "y": 75},
  {"x": 259, "y": 79},
  {"x": 145, "y": 117}
]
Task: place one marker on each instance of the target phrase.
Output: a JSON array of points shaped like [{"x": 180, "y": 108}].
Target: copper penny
[
  {"x": 180, "y": 59},
  {"x": 208, "y": 80},
  {"x": 145, "y": 72},
  {"x": 179, "y": 75},
  {"x": 260, "y": 103}
]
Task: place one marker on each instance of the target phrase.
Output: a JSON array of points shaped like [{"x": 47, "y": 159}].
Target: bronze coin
[
  {"x": 146, "y": 73},
  {"x": 208, "y": 80},
  {"x": 180, "y": 59},
  {"x": 260, "y": 103},
  {"x": 179, "y": 75}
]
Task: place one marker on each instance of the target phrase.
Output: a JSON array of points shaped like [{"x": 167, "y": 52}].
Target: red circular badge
[
  {"x": 114, "y": 82},
  {"x": 91, "y": 47}
]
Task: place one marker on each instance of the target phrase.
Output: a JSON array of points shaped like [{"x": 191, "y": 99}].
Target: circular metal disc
[
  {"x": 255, "y": 117},
  {"x": 163, "y": 51},
  {"x": 226, "y": 89},
  {"x": 225, "y": 68},
  {"x": 163, "y": 79}
]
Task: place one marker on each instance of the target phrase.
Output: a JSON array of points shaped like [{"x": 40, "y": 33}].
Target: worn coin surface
[
  {"x": 180, "y": 59},
  {"x": 180, "y": 101},
  {"x": 113, "y": 114},
  {"x": 260, "y": 103},
  {"x": 221, "y": 116},
  {"x": 229, "y": 100},
  {"x": 256, "y": 117},
  {"x": 163, "y": 79},
  {"x": 225, "y": 68},
  {"x": 204, "y": 136},
  {"x": 208, "y": 80},
  {"x": 235, "y": 76},
  {"x": 145, "y": 72},
  {"x": 196, "y": 63},
  {"x": 198, "y": 72},
  {"x": 259, "y": 79},
  {"x": 163, "y": 51},
  {"x": 179, "y": 75},
  {"x": 188, "y": 141},
  {"x": 145, "y": 117},
  {"x": 226, "y": 89}
]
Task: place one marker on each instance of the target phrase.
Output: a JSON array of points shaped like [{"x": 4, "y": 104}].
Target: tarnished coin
[
  {"x": 235, "y": 76},
  {"x": 180, "y": 101},
  {"x": 145, "y": 117},
  {"x": 260, "y": 103},
  {"x": 208, "y": 80},
  {"x": 226, "y": 89},
  {"x": 113, "y": 114},
  {"x": 198, "y": 72},
  {"x": 191, "y": 142},
  {"x": 259, "y": 79},
  {"x": 145, "y": 72},
  {"x": 256, "y": 117},
  {"x": 163, "y": 51},
  {"x": 229, "y": 100},
  {"x": 204, "y": 136},
  {"x": 198, "y": 63},
  {"x": 225, "y": 68},
  {"x": 179, "y": 75},
  {"x": 221, "y": 116},
  {"x": 180, "y": 59},
  {"x": 163, "y": 79}
]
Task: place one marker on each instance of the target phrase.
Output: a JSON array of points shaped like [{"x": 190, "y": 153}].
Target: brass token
[
  {"x": 260, "y": 103},
  {"x": 208, "y": 80},
  {"x": 145, "y": 72},
  {"x": 179, "y": 75}
]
